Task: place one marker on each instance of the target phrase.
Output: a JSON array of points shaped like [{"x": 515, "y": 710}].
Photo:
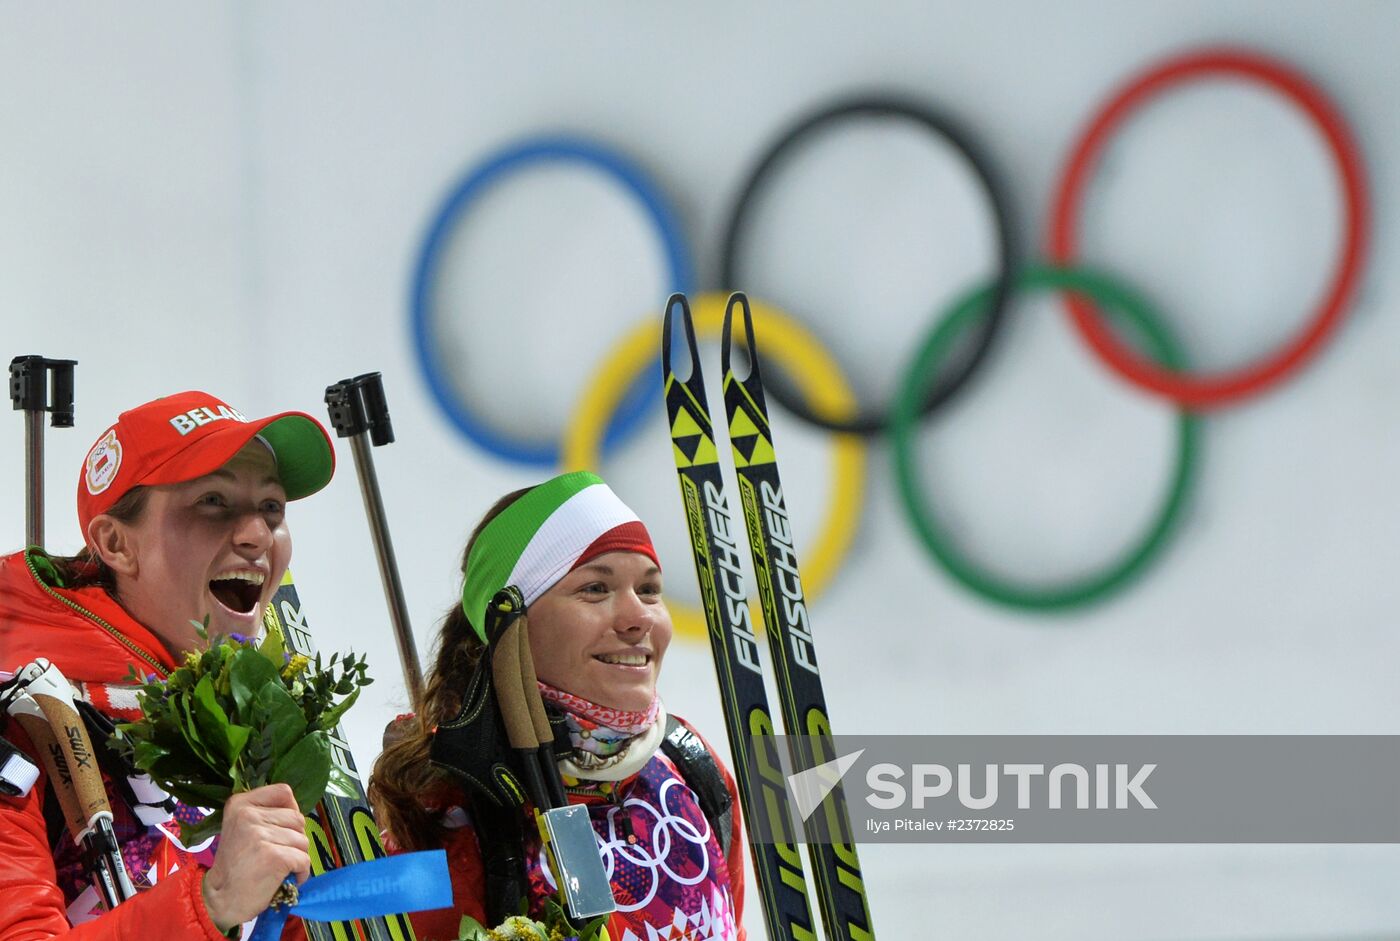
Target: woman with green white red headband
[
  {"x": 182, "y": 506},
  {"x": 598, "y": 630}
]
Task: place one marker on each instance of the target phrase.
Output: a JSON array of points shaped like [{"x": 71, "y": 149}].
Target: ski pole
[
  {"x": 29, "y": 392},
  {"x": 358, "y": 409},
  {"x": 45, "y": 709},
  {"x": 565, "y": 830}
]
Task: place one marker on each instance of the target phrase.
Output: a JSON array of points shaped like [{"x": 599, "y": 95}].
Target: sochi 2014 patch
[{"x": 103, "y": 462}]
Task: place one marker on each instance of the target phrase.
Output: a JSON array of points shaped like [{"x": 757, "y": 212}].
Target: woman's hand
[{"x": 263, "y": 840}]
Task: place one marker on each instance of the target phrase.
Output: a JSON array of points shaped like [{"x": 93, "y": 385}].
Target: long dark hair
[{"x": 404, "y": 783}]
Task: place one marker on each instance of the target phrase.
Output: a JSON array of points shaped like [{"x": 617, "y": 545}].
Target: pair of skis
[{"x": 748, "y": 720}]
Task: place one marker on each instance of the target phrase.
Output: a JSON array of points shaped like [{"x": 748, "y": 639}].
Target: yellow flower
[
  {"x": 517, "y": 928},
  {"x": 296, "y": 666}
]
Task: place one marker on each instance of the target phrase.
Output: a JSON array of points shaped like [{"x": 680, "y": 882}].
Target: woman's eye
[
  {"x": 595, "y": 588},
  {"x": 213, "y": 499},
  {"x": 649, "y": 590},
  {"x": 272, "y": 506}
]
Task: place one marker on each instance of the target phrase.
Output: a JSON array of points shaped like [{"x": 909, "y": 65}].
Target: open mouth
[{"x": 239, "y": 592}]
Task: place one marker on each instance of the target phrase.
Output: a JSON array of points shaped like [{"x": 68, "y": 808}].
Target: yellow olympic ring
[{"x": 820, "y": 380}]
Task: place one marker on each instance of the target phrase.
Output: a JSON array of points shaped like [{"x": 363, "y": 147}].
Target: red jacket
[{"x": 92, "y": 640}]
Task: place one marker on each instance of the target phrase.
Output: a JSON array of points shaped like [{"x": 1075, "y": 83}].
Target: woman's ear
[{"x": 112, "y": 542}]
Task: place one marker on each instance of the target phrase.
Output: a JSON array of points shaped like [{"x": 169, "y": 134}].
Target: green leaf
[
  {"x": 200, "y": 795},
  {"x": 594, "y": 929},
  {"x": 223, "y": 737},
  {"x": 307, "y": 768},
  {"x": 182, "y": 678},
  {"x": 192, "y": 834},
  {"x": 331, "y": 717},
  {"x": 189, "y": 731},
  {"x": 146, "y": 754},
  {"x": 183, "y": 765},
  {"x": 249, "y": 673},
  {"x": 274, "y": 645},
  {"x": 284, "y": 717},
  {"x": 469, "y": 929}
]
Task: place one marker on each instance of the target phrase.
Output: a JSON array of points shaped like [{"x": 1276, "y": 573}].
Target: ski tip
[
  {"x": 738, "y": 300},
  {"x": 678, "y": 307}
]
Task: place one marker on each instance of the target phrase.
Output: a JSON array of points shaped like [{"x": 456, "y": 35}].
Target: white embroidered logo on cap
[
  {"x": 186, "y": 422},
  {"x": 103, "y": 462}
]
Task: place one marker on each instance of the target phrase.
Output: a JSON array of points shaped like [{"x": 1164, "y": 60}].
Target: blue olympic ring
[{"x": 514, "y": 157}]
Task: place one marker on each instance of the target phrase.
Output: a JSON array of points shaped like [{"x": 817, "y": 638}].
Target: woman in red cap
[
  {"x": 663, "y": 809},
  {"x": 182, "y": 507}
]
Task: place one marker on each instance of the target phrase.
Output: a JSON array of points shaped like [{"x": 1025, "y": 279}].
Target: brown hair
[
  {"x": 404, "y": 783},
  {"x": 86, "y": 569}
]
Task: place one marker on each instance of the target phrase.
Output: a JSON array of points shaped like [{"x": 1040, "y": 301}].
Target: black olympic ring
[{"x": 884, "y": 106}]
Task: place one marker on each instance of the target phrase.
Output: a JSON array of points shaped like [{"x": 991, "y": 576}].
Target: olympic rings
[
  {"x": 511, "y": 159},
  {"x": 870, "y": 423},
  {"x": 937, "y": 346},
  {"x": 1207, "y": 391},
  {"x": 622, "y": 387},
  {"x": 819, "y": 378}
]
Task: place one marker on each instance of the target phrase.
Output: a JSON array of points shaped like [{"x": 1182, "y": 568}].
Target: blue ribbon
[{"x": 410, "y": 882}]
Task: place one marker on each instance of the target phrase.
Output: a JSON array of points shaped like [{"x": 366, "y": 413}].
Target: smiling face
[
  {"x": 601, "y": 631},
  {"x": 217, "y": 545}
]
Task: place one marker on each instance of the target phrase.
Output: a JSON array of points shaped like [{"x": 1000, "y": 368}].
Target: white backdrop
[{"x": 232, "y": 196}]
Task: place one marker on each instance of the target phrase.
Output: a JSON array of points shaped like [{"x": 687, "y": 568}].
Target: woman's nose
[
  {"x": 633, "y": 614},
  {"x": 252, "y": 533}
]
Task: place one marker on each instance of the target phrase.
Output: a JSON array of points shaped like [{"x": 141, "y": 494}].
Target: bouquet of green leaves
[
  {"x": 555, "y": 927},
  {"x": 238, "y": 715}
]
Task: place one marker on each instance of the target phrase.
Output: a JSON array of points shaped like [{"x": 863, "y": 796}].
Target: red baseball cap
[{"x": 190, "y": 434}]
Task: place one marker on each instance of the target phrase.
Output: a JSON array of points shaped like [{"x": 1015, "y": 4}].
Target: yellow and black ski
[
  {"x": 341, "y": 830},
  {"x": 748, "y": 721},
  {"x": 835, "y": 865}
]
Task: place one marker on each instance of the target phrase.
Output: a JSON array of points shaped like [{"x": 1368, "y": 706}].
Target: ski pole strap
[
  {"x": 701, "y": 774},
  {"x": 392, "y": 885},
  {"x": 501, "y": 835},
  {"x": 17, "y": 773}
]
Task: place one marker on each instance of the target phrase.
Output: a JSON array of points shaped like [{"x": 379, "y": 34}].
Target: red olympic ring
[{"x": 1203, "y": 391}]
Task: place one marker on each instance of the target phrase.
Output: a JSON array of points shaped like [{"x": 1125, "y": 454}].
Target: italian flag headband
[{"x": 547, "y": 533}]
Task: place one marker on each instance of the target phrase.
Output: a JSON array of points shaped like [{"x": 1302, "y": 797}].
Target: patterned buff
[
  {"x": 547, "y": 533},
  {"x": 600, "y": 734}
]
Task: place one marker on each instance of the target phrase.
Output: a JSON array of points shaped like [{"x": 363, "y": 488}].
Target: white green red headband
[{"x": 547, "y": 533}]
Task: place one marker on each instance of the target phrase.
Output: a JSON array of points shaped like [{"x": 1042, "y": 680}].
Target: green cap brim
[{"x": 305, "y": 456}]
